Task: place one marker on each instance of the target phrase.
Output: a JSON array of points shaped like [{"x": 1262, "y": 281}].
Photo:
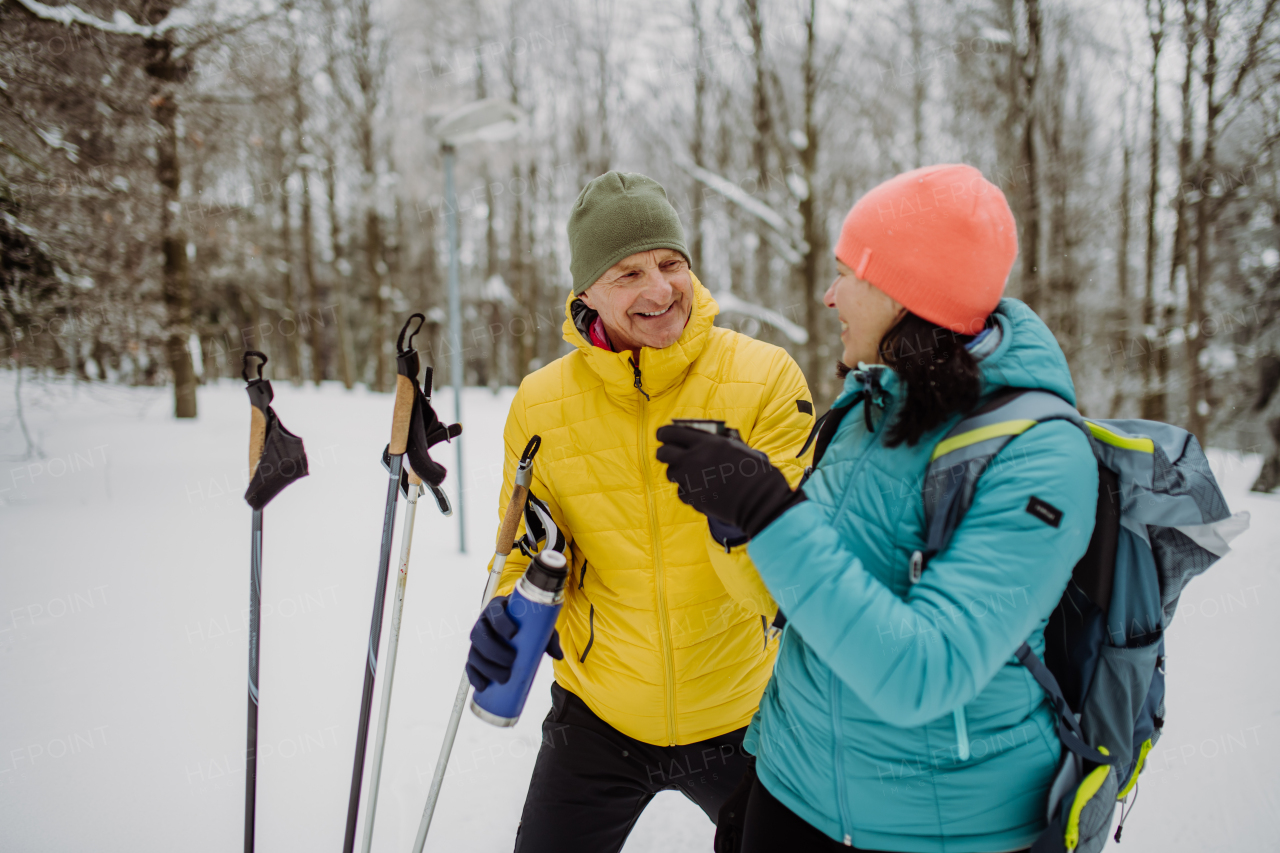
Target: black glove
[
  {"x": 726, "y": 535},
  {"x": 724, "y": 478},
  {"x": 492, "y": 655}
]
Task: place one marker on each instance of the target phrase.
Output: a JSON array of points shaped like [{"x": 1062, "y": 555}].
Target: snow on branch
[
  {"x": 729, "y": 302},
  {"x": 120, "y": 23},
  {"x": 781, "y": 231},
  {"x": 739, "y": 196}
]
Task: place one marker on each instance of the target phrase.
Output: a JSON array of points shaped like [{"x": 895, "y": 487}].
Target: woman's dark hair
[{"x": 940, "y": 376}]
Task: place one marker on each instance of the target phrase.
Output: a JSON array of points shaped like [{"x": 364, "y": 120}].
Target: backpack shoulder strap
[
  {"x": 965, "y": 452},
  {"x": 824, "y": 429}
]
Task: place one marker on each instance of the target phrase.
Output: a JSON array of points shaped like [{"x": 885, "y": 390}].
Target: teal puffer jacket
[{"x": 897, "y": 718}]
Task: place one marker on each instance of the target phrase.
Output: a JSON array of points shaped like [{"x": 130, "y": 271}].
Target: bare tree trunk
[
  {"x": 1120, "y": 313},
  {"x": 1181, "y": 235},
  {"x": 532, "y": 338},
  {"x": 177, "y": 278},
  {"x": 1197, "y": 405},
  {"x": 1153, "y": 398},
  {"x": 697, "y": 146},
  {"x": 1030, "y": 159},
  {"x": 292, "y": 349},
  {"x": 1059, "y": 299},
  {"x": 919, "y": 83},
  {"x": 810, "y": 214},
  {"x": 521, "y": 348},
  {"x": 763, "y": 122},
  {"x": 518, "y": 265},
  {"x": 346, "y": 360},
  {"x": 314, "y": 323},
  {"x": 492, "y": 268},
  {"x": 368, "y": 67},
  {"x": 373, "y": 268}
]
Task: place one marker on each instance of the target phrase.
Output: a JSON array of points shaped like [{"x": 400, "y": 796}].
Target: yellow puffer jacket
[{"x": 664, "y": 634}]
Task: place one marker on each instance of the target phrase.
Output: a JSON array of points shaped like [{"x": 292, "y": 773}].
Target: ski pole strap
[
  {"x": 1069, "y": 731},
  {"x": 530, "y": 450},
  {"x": 401, "y": 349},
  {"x": 244, "y": 364}
]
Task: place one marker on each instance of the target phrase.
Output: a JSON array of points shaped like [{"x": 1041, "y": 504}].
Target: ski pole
[
  {"x": 506, "y": 539},
  {"x": 380, "y": 740},
  {"x": 412, "y": 493},
  {"x": 257, "y": 441},
  {"x": 276, "y": 459},
  {"x": 255, "y": 598},
  {"x": 406, "y": 389}
]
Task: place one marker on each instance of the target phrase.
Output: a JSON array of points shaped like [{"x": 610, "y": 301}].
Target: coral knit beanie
[{"x": 940, "y": 240}]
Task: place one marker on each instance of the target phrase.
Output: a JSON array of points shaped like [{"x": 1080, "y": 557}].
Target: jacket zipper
[
  {"x": 591, "y": 641},
  {"x": 845, "y": 822},
  {"x": 663, "y": 633},
  {"x": 836, "y": 685}
]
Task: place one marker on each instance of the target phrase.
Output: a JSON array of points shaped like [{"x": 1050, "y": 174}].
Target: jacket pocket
[{"x": 591, "y": 639}]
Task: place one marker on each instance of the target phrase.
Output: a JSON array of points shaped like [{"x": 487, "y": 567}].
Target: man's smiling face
[{"x": 644, "y": 299}]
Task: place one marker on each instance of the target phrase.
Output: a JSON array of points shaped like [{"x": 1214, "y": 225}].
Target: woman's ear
[{"x": 585, "y": 296}]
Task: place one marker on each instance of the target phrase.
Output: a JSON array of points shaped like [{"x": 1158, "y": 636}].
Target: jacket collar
[{"x": 660, "y": 369}]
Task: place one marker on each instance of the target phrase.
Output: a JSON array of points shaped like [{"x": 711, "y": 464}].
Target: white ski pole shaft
[
  {"x": 451, "y": 732},
  {"x": 506, "y": 538},
  {"x": 410, "y": 511}
]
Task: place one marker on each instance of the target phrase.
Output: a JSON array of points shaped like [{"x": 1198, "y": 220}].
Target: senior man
[{"x": 664, "y": 645}]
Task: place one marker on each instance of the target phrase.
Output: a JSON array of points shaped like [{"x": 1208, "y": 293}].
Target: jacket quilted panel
[
  {"x": 663, "y": 632},
  {"x": 897, "y": 717}
]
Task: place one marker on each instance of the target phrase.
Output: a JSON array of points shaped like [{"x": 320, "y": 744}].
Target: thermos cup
[{"x": 533, "y": 605}]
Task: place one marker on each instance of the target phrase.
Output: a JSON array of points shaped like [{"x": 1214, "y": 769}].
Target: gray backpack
[{"x": 1161, "y": 521}]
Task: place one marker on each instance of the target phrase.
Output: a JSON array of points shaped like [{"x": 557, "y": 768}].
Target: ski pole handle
[
  {"x": 511, "y": 521},
  {"x": 519, "y": 494},
  {"x": 257, "y": 414},
  {"x": 257, "y": 438},
  {"x": 403, "y": 414}
]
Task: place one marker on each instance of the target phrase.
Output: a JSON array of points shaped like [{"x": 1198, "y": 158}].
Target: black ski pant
[
  {"x": 771, "y": 827},
  {"x": 591, "y": 782}
]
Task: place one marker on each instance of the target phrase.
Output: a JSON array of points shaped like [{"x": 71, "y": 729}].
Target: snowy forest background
[{"x": 179, "y": 183}]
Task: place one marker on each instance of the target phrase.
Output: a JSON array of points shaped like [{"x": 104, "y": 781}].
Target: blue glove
[{"x": 492, "y": 655}]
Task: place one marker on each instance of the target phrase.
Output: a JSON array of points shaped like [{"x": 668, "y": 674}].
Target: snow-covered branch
[
  {"x": 729, "y": 302},
  {"x": 739, "y": 196},
  {"x": 782, "y": 234},
  {"x": 120, "y": 23}
]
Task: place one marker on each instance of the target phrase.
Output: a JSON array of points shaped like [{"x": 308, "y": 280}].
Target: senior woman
[{"x": 897, "y": 718}]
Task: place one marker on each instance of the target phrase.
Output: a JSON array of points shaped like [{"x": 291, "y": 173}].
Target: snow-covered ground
[{"x": 123, "y": 600}]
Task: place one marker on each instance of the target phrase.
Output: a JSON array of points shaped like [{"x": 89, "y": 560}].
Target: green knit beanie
[{"x": 616, "y": 215}]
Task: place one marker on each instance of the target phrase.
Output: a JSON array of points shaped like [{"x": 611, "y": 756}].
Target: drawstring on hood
[{"x": 872, "y": 392}]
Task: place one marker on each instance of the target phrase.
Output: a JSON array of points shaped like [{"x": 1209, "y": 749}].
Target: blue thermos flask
[{"x": 534, "y": 605}]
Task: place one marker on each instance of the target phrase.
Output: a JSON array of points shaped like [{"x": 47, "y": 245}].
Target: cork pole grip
[
  {"x": 402, "y": 415},
  {"x": 257, "y": 438},
  {"x": 414, "y": 479},
  {"x": 507, "y": 532}
]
